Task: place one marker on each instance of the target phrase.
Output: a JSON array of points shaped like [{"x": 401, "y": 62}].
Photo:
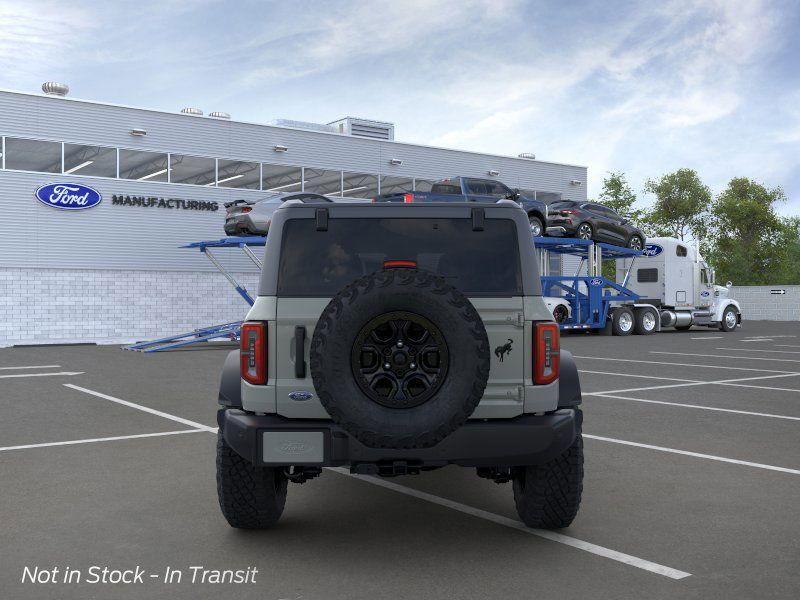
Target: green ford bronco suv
[{"x": 392, "y": 339}]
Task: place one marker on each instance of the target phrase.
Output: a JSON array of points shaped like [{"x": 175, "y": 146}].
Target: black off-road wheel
[
  {"x": 250, "y": 497},
  {"x": 548, "y": 496},
  {"x": 400, "y": 359}
]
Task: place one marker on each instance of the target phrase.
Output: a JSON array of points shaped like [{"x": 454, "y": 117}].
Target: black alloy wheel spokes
[{"x": 400, "y": 359}]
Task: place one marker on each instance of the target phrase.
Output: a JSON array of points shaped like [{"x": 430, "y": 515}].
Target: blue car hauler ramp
[
  {"x": 212, "y": 332},
  {"x": 592, "y": 295}
]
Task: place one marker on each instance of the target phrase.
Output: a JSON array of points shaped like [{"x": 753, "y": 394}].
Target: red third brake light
[
  {"x": 399, "y": 264},
  {"x": 253, "y": 352},
  {"x": 408, "y": 198},
  {"x": 546, "y": 353}
]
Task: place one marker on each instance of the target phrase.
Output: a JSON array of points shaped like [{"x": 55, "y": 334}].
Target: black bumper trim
[{"x": 524, "y": 440}]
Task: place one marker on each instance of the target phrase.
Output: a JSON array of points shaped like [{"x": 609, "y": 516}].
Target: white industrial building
[{"x": 114, "y": 272}]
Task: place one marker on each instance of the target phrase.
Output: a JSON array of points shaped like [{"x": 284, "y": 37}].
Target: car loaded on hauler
[{"x": 378, "y": 343}]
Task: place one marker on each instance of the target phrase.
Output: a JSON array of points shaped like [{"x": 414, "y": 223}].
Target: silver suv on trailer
[{"x": 392, "y": 339}]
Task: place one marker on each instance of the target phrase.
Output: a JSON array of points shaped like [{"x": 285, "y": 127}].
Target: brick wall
[
  {"x": 46, "y": 306},
  {"x": 759, "y": 304}
]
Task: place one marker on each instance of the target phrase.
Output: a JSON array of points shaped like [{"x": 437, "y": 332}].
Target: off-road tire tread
[
  {"x": 416, "y": 279},
  {"x": 548, "y": 496},
  {"x": 250, "y": 497}
]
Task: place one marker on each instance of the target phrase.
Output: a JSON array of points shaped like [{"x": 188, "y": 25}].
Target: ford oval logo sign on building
[
  {"x": 652, "y": 250},
  {"x": 68, "y": 196}
]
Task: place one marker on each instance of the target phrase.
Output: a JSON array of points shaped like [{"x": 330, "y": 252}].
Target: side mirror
[{"x": 729, "y": 284}]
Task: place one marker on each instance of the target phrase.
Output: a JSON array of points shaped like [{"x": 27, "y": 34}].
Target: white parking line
[
  {"x": 31, "y": 367},
  {"x": 759, "y": 350},
  {"x": 756, "y": 340},
  {"x": 655, "y": 362},
  {"x": 627, "y": 559},
  {"x": 793, "y": 360},
  {"x": 681, "y": 405},
  {"x": 639, "y": 376},
  {"x": 694, "y": 454},
  {"x": 146, "y": 409},
  {"x": 717, "y": 382},
  {"x": 65, "y": 373},
  {"x": 787, "y": 346},
  {"x": 105, "y": 439},
  {"x": 708, "y": 337}
]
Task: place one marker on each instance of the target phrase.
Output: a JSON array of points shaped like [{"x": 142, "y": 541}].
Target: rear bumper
[{"x": 524, "y": 440}]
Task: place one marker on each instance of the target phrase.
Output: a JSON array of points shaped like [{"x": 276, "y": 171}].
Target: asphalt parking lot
[{"x": 691, "y": 490}]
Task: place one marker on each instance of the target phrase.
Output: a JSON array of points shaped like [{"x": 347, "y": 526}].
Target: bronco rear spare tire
[{"x": 400, "y": 359}]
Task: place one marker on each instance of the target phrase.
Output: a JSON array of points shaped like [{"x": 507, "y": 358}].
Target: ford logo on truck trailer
[
  {"x": 68, "y": 196},
  {"x": 652, "y": 250}
]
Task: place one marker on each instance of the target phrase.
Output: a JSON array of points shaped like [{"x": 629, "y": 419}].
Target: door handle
[{"x": 300, "y": 352}]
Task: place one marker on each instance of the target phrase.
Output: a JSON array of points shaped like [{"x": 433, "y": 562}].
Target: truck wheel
[
  {"x": 729, "y": 319},
  {"x": 645, "y": 323},
  {"x": 250, "y": 497},
  {"x": 560, "y": 313},
  {"x": 400, "y": 359},
  {"x": 635, "y": 243},
  {"x": 548, "y": 496},
  {"x": 622, "y": 322},
  {"x": 537, "y": 229}
]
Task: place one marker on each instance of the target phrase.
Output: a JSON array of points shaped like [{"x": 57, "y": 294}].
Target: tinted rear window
[
  {"x": 320, "y": 263},
  {"x": 446, "y": 188}
]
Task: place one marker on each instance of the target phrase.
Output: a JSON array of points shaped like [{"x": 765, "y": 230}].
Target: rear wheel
[
  {"x": 548, "y": 496},
  {"x": 645, "y": 322},
  {"x": 584, "y": 231},
  {"x": 250, "y": 497},
  {"x": 635, "y": 243},
  {"x": 623, "y": 322},
  {"x": 537, "y": 228}
]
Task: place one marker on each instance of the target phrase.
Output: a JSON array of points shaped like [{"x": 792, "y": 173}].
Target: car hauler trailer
[{"x": 671, "y": 287}]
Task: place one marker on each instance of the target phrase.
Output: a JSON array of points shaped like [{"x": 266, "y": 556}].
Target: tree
[
  {"x": 681, "y": 206},
  {"x": 751, "y": 244},
  {"x": 618, "y": 196}
]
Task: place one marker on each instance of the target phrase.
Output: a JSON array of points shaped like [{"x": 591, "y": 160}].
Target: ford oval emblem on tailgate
[
  {"x": 300, "y": 396},
  {"x": 68, "y": 196}
]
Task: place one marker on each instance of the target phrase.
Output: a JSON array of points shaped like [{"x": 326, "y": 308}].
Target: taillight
[
  {"x": 546, "y": 353},
  {"x": 408, "y": 198},
  {"x": 253, "y": 352},
  {"x": 569, "y": 212},
  {"x": 247, "y": 209}
]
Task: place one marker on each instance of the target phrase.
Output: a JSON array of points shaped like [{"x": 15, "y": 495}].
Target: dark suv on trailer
[
  {"x": 391, "y": 339},
  {"x": 593, "y": 221}
]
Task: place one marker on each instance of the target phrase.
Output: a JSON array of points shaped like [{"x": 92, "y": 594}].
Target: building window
[
  {"x": 280, "y": 178},
  {"x": 359, "y": 185},
  {"x": 143, "y": 166},
  {"x": 396, "y": 185},
  {"x": 237, "y": 174},
  {"x": 33, "y": 155},
  {"x": 98, "y": 161},
  {"x": 320, "y": 181},
  {"x": 423, "y": 185},
  {"x": 194, "y": 170}
]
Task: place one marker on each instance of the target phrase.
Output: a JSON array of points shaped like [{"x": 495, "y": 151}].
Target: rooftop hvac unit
[
  {"x": 527, "y": 155},
  {"x": 192, "y": 111},
  {"x": 376, "y": 130},
  {"x": 219, "y": 115},
  {"x": 303, "y": 125}
]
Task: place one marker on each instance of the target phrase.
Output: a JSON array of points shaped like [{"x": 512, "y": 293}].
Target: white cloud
[{"x": 36, "y": 37}]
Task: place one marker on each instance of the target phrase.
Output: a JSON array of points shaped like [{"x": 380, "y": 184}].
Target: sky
[{"x": 639, "y": 87}]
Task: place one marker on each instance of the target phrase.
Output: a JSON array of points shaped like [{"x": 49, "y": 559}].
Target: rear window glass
[
  {"x": 320, "y": 263},
  {"x": 445, "y": 188}
]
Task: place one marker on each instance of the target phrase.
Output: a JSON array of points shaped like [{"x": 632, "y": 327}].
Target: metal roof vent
[
  {"x": 527, "y": 155},
  {"x": 51, "y": 88},
  {"x": 192, "y": 111},
  {"x": 219, "y": 115},
  {"x": 376, "y": 130}
]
